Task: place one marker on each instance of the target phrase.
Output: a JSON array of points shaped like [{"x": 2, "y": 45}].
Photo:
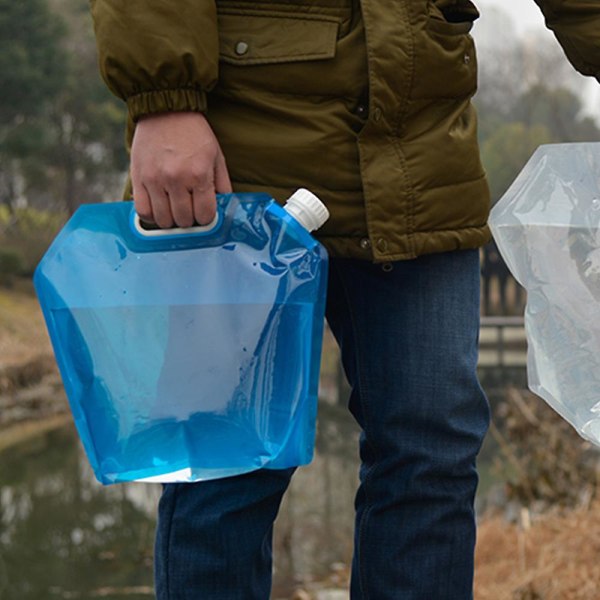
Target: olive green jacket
[{"x": 365, "y": 102}]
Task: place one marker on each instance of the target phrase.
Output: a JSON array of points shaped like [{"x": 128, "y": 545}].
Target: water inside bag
[{"x": 188, "y": 356}]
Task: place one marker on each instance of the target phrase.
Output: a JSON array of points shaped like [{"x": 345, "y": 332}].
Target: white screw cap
[{"x": 307, "y": 209}]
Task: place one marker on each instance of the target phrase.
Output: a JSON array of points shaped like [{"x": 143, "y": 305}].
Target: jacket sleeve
[
  {"x": 576, "y": 24},
  {"x": 157, "y": 55}
]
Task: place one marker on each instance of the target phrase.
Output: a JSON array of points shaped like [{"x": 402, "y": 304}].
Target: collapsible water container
[
  {"x": 547, "y": 227},
  {"x": 189, "y": 354}
]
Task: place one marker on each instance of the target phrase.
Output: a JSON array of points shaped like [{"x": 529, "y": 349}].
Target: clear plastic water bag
[
  {"x": 194, "y": 353},
  {"x": 547, "y": 227}
]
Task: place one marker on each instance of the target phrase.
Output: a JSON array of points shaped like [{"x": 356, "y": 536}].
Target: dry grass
[
  {"x": 550, "y": 557},
  {"x": 553, "y": 557}
]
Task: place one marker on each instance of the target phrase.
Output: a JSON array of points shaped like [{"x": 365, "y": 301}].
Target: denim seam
[{"x": 360, "y": 377}]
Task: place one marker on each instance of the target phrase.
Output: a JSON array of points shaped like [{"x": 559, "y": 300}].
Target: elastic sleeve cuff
[{"x": 160, "y": 101}]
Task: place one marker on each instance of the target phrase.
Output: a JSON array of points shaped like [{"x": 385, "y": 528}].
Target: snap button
[
  {"x": 387, "y": 267},
  {"x": 467, "y": 59},
  {"x": 382, "y": 245},
  {"x": 362, "y": 111},
  {"x": 377, "y": 114},
  {"x": 365, "y": 243},
  {"x": 241, "y": 48}
]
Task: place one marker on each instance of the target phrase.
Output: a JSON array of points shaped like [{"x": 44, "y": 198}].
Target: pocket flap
[{"x": 255, "y": 40}]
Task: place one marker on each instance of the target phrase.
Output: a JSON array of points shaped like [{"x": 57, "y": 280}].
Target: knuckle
[
  {"x": 172, "y": 175},
  {"x": 204, "y": 187},
  {"x": 151, "y": 178},
  {"x": 201, "y": 175}
]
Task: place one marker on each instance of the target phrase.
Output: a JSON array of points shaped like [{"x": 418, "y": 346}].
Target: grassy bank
[
  {"x": 31, "y": 396},
  {"x": 23, "y": 335}
]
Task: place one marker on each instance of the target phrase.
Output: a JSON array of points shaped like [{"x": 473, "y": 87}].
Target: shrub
[
  {"x": 28, "y": 233},
  {"x": 542, "y": 459},
  {"x": 11, "y": 265}
]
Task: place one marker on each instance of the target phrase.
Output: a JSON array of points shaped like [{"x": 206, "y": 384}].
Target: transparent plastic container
[
  {"x": 547, "y": 227},
  {"x": 189, "y": 354}
]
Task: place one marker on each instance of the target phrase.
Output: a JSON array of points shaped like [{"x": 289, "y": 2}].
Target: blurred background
[{"x": 64, "y": 536}]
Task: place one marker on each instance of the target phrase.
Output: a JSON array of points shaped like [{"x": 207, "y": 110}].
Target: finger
[
  {"x": 141, "y": 201},
  {"x": 205, "y": 204},
  {"x": 161, "y": 206},
  {"x": 222, "y": 181},
  {"x": 181, "y": 205}
]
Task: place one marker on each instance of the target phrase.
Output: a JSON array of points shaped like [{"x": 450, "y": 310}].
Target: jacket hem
[{"x": 421, "y": 243}]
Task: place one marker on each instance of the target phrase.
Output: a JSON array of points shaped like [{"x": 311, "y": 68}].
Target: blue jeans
[{"x": 408, "y": 338}]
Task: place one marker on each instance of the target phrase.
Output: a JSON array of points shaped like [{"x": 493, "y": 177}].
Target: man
[{"x": 366, "y": 103}]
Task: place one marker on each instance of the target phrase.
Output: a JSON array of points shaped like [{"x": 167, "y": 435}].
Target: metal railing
[{"x": 497, "y": 346}]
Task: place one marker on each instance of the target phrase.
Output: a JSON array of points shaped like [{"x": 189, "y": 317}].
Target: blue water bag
[{"x": 189, "y": 354}]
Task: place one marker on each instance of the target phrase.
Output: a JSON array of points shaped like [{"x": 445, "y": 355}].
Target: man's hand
[{"x": 177, "y": 168}]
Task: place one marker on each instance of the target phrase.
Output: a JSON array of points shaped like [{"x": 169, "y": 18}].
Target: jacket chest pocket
[
  {"x": 445, "y": 57},
  {"x": 276, "y": 52},
  {"x": 260, "y": 40}
]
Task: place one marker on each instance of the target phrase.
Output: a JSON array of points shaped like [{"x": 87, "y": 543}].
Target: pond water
[{"x": 63, "y": 535}]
